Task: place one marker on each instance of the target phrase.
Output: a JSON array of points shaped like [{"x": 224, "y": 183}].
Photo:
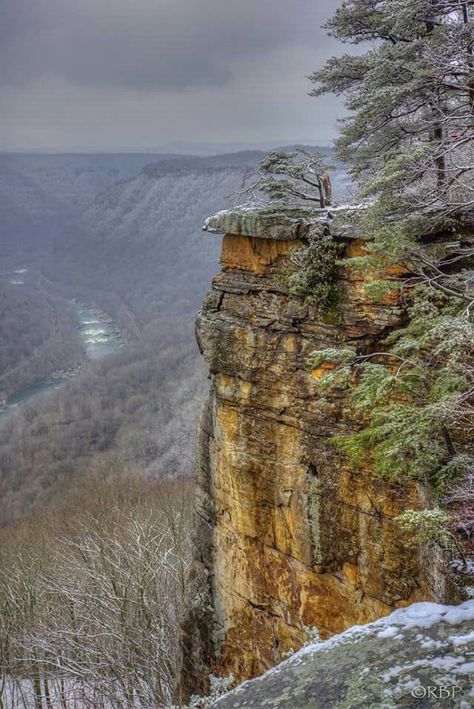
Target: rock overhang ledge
[{"x": 280, "y": 222}]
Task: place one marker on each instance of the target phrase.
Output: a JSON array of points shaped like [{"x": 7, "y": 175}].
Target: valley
[
  {"x": 99, "y": 339},
  {"x": 92, "y": 246}
]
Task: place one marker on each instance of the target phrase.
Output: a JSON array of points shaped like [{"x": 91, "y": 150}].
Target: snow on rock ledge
[
  {"x": 276, "y": 221},
  {"x": 420, "y": 656}
]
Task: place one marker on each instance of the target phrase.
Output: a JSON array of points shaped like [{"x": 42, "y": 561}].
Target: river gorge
[{"x": 99, "y": 336}]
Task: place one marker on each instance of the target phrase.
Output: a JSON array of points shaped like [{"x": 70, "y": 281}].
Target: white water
[{"x": 99, "y": 338}]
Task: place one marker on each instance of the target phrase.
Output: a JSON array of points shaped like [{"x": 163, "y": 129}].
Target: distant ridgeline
[{"x": 326, "y": 497}]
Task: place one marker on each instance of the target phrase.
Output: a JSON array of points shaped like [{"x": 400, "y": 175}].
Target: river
[{"x": 99, "y": 336}]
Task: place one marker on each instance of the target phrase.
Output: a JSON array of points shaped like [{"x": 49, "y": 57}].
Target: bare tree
[
  {"x": 97, "y": 621},
  {"x": 298, "y": 177}
]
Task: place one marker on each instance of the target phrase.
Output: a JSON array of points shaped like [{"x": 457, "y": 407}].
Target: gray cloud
[
  {"x": 147, "y": 44},
  {"x": 107, "y": 74}
]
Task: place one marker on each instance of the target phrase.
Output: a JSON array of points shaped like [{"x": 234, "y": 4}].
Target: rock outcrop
[
  {"x": 419, "y": 656},
  {"x": 290, "y": 535}
]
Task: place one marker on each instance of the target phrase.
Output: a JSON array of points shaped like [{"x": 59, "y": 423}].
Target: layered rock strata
[{"x": 290, "y": 535}]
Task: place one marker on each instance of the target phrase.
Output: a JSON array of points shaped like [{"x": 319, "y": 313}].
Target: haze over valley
[
  {"x": 120, "y": 234},
  {"x": 116, "y": 238}
]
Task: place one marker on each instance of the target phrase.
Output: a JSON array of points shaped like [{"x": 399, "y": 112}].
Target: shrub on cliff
[
  {"x": 312, "y": 272},
  {"x": 411, "y": 394}
]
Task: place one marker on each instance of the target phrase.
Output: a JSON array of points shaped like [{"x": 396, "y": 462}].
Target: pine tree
[
  {"x": 409, "y": 142},
  {"x": 410, "y": 131}
]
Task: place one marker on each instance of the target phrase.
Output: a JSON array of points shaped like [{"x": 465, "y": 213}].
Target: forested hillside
[
  {"x": 93, "y": 588},
  {"x": 139, "y": 241},
  {"x": 42, "y": 195},
  {"x": 38, "y": 336},
  {"x": 139, "y": 408},
  {"x": 136, "y": 251}
]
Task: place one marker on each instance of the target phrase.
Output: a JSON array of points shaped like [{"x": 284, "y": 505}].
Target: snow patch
[
  {"x": 466, "y": 669},
  {"x": 426, "y": 615},
  {"x": 458, "y": 640},
  {"x": 390, "y": 632},
  {"x": 432, "y": 644}
]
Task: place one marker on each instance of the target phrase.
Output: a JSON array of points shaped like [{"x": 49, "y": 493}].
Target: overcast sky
[{"x": 140, "y": 74}]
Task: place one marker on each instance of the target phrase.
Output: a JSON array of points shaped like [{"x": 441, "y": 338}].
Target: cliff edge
[{"x": 290, "y": 535}]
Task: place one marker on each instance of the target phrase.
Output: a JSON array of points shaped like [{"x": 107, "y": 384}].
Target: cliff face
[{"x": 289, "y": 535}]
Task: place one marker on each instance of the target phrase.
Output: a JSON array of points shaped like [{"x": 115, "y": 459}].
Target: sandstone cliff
[{"x": 289, "y": 535}]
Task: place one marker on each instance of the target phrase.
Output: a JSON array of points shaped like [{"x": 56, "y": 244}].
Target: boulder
[{"x": 419, "y": 656}]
